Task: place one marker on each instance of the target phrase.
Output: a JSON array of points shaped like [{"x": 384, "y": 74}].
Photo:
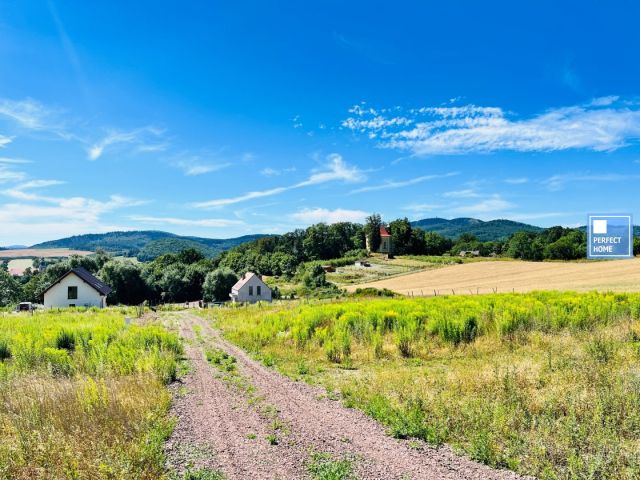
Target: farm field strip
[
  {"x": 42, "y": 252},
  {"x": 508, "y": 276}
]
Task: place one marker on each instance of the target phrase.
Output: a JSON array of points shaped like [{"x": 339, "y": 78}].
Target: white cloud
[
  {"x": 495, "y": 203},
  {"x": 142, "y": 137},
  {"x": 517, "y": 181},
  {"x": 323, "y": 215},
  {"x": 605, "y": 124},
  {"x": 604, "y": 101},
  {"x": 205, "y": 222},
  {"x": 403, "y": 183},
  {"x": 7, "y": 174},
  {"x": 467, "y": 193},
  {"x": 27, "y": 113},
  {"x": 193, "y": 168},
  {"x": 272, "y": 172},
  {"x": 557, "y": 182},
  {"x": 335, "y": 170},
  {"x": 422, "y": 208},
  {"x": 14, "y": 161},
  {"x": 4, "y": 140}
]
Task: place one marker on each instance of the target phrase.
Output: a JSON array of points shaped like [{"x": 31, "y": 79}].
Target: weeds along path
[
  {"x": 217, "y": 429},
  {"x": 306, "y": 422}
]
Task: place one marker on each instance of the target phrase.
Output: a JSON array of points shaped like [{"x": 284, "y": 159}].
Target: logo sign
[{"x": 610, "y": 236}]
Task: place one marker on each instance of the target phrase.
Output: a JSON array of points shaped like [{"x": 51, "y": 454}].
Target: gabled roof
[
  {"x": 384, "y": 232},
  {"x": 93, "y": 282},
  {"x": 244, "y": 279}
]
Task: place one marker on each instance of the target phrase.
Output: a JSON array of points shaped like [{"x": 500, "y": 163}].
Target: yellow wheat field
[{"x": 507, "y": 276}]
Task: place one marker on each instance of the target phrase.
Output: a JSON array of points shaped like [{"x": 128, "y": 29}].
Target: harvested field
[
  {"x": 487, "y": 277},
  {"x": 42, "y": 252}
]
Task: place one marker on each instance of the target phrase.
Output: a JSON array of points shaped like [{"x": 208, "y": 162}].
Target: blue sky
[{"x": 221, "y": 119}]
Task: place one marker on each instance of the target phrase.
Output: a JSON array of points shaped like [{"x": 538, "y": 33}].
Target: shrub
[{"x": 65, "y": 341}]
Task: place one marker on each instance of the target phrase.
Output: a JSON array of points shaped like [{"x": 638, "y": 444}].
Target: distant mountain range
[
  {"x": 484, "y": 231},
  {"x": 145, "y": 244}
]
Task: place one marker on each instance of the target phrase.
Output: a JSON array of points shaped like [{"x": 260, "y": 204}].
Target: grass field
[
  {"x": 543, "y": 383},
  {"x": 508, "y": 276},
  {"x": 82, "y": 395}
]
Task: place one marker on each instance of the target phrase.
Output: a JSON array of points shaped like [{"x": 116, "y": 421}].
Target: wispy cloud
[
  {"x": 517, "y": 181},
  {"x": 558, "y": 182},
  {"x": 403, "y": 183},
  {"x": 141, "y": 137},
  {"x": 336, "y": 169},
  {"x": 493, "y": 204},
  {"x": 466, "y": 193},
  {"x": 604, "y": 124},
  {"x": 193, "y": 168},
  {"x": 27, "y": 113},
  {"x": 4, "y": 140},
  {"x": 204, "y": 222},
  {"x": 324, "y": 215},
  {"x": 273, "y": 172}
]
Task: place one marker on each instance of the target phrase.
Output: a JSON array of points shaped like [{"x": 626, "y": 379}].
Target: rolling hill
[
  {"x": 145, "y": 244},
  {"x": 484, "y": 231}
]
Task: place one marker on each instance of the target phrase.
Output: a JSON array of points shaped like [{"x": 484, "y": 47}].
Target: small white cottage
[
  {"x": 76, "y": 288},
  {"x": 250, "y": 288}
]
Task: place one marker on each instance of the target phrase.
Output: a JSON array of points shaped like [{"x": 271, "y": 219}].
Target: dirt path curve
[{"x": 216, "y": 415}]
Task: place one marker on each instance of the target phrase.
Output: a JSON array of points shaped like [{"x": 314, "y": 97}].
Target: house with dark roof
[
  {"x": 385, "y": 241},
  {"x": 250, "y": 289},
  {"x": 76, "y": 288}
]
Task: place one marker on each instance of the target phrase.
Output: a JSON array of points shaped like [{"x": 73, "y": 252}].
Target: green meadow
[{"x": 544, "y": 383}]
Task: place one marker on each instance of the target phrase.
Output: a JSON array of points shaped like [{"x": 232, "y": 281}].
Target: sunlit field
[
  {"x": 82, "y": 395},
  {"x": 544, "y": 383}
]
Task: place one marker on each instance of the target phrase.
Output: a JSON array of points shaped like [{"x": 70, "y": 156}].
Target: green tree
[
  {"x": 10, "y": 289},
  {"x": 436, "y": 244},
  {"x": 126, "y": 282},
  {"x": 401, "y": 234},
  {"x": 217, "y": 284},
  {"x": 636, "y": 246},
  {"x": 372, "y": 231}
]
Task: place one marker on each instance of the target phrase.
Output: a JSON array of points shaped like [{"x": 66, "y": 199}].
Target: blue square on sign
[{"x": 610, "y": 236}]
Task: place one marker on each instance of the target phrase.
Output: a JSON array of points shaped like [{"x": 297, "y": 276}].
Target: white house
[
  {"x": 76, "y": 288},
  {"x": 250, "y": 288},
  {"x": 385, "y": 241}
]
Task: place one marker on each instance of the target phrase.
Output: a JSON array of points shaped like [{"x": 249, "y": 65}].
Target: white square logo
[{"x": 599, "y": 227}]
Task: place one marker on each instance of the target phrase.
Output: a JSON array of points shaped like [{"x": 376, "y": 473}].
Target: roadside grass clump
[
  {"x": 544, "y": 383},
  {"x": 221, "y": 360},
  {"x": 322, "y": 466},
  {"x": 82, "y": 395}
]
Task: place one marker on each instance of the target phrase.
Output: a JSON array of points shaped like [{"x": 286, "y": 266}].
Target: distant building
[
  {"x": 470, "y": 253},
  {"x": 328, "y": 268},
  {"x": 76, "y": 288},
  {"x": 385, "y": 241},
  {"x": 250, "y": 289}
]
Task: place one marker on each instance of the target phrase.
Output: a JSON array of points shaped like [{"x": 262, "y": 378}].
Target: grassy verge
[
  {"x": 82, "y": 396},
  {"x": 544, "y": 383}
]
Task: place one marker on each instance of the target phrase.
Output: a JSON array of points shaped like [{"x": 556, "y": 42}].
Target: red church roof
[{"x": 384, "y": 232}]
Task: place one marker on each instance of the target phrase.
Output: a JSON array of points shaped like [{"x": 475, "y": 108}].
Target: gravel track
[{"x": 219, "y": 417}]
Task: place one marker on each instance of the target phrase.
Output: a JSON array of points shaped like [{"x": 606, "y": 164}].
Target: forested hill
[
  {"x": 145, "y": 244},
  {"x": 484, "y": 231}
]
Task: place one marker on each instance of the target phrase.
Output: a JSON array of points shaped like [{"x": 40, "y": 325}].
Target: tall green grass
[
  {"x": 544, "y": 383},
  {"x": 82, "y": 395}
]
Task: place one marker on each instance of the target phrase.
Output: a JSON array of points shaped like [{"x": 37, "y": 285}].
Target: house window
[
  {"x": 258, "y": 290},
  {"x": 72, "y": 293},
  {"x": 250, "y": 290}
]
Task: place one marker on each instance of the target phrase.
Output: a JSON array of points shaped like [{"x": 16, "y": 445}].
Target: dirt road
[{"x": 253, "y": 423}]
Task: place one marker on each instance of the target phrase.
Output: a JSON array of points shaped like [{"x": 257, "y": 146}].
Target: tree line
[{"x": 190, "y": 275}]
